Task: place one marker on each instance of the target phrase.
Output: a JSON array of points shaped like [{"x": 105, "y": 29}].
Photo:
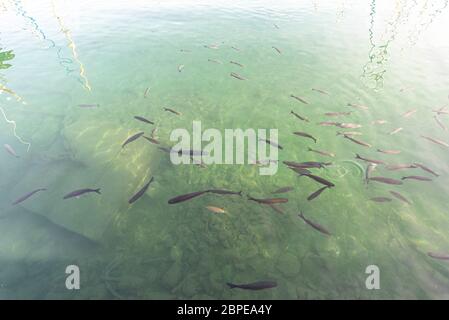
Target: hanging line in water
[{"x": 14, "y": 130}]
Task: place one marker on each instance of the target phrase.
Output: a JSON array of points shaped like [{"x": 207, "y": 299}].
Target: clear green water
[{"x": 392, "y": 56}]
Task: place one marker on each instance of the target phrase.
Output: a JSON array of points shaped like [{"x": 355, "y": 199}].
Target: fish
[
  {"x": 173, "y": 111},
  {"x": 141, "y": 192},
  {"x": 357, "y": 106},
  {"x": 235, "y": 48},
  {"x": 132, "y": 138},
  {"x": 441, "y": 143},
  {"x": 300, "y": 171},
  {"x": 316, "y": 193},
  {"x": 314, "y": 225},
  {"x": 276, "y": 26},
  {"x": 369, "y": 169},
  {"x": 237, "y": 64},
  {"x": 146, "y": 92},
  {"x": 395, "y": 131},
  {"x": 259, "y": 285},
  {"x": 268, "y": 200},
  {"x": 211, "y": 46},
  {"x": 193, "y": 153},
  {"x": 26, "y": 196},
  {"x": 400, "y": 197},
  {"x": 309, "y": 164},
  {"x": 185, "y": 50},
  {"x": 389, "y": 151},
  {"x": 419, "y": 178},
  {"x": 323, "y": 153},
  {"x": 80, "y": 192},
  {"x": 362, "y": 143},
  {"x": 305, "y": 135},
  {"x": 237, "y": 76},
  {"x": 349, "y": 125},
  {"x": 381, "y": 199},
  {"x": 409, "y": 113},
  {"x": 10, "y": 150},
  {"x": 320, "y": 91},
  {"x": 394, "y": 167},
  {"x": 442, "y": 110},
  {"x": 180, "y": 67},
  {"x": 423, "y": 167},
  {"x": 89, "y": 105},
  {"x": 349, "y": 133},
  {"x": 359, "y": 157},
  {"x": 299, "y": 117},
  {"x": 386, "y": 180},
  {"x": 276, "y": 208},
  {"x": 438, "y": 256},
  {"x": 215, "y": 209},
  {"x": 328, "y": 123},
  {"x": 278, "y": 51},
  {"x": 299, "y": 99},
  {"x": 186, "y": 197},
  {"x": 337, "y": 114},
  {"x": 225, "y": 192},
  {"x": 152, "y": 140},
  {"x": 143, "y": 119},
  {"x": 154, "y": 133},
  {"x": 379, "y": 122},
  {"x": 319, "y": 179},
  {"x": 272, "y": 143},
  {"x": 442, "y": 126},
  {"x": 283, "y": 190},
  {"x": 215, "y": 61}
]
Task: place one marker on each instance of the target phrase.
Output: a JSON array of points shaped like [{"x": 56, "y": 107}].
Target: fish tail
[
  {"x": 98, "y": 190},
  {"x": 309, "y": 149},
  {"x": 240, "y": 193},
  {"x": 231, "y": 286},
  {"x": 357, "y": 156}
]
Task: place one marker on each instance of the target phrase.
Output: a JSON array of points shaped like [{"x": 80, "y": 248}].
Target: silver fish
[{"x": 10, "y": 150}]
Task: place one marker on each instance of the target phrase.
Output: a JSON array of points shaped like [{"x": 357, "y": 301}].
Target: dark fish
[
  {"x": 25, "y": 197},
  {"x": 400, "y": 197},
  {"x": 80, "y": 192},
  {"x": 173, "y": 111},
  {"x": 362, "y": 143},
  {"x": 237, "y": 64},
  {"x": 316, "y": 193},
  {"x": 320, "y": 91},
  {"x": 299, "y": 99},
  {"x": 305, "y": 135},
  {"x": 438, "y": 256},
  {"x": 193, "y": 153},
  {"x": 276, "y": 26},
  {"x": 146, "y": 92},
  {"x": 394, "y": 167},
  {"x": 268, "y": 201},
  {"x": 272, "y": 143},
  {"x": 386, "y": 180},
  {"x": 314, "y": 225},
  {"x": 259, "y": 285},
  {"x": 132, "y": 138},
  {"x": 235, "y": 48},
  {"x": 381, "y": 199},
  {"x": 300, "y": 171},
  {"x": 283, "y": 190},
  {"x": 186, "y": 197},
  {"x": 152, "y": 140},
  {"x": 419, "y": 178},
  {"x": 237, "y": 76},
  {"x": 357, "y": 156},
  {"x": 299, "y": 117},
  {"x": 319, "y": 179},
  {"x": 10, "y": 150},
  {"x": 143, "y": 119},
  {"x": 323, "y": 153},
  {"x": 219, "y": 191},
  {"x": 349, "y": 133},
  {"x": 180, "y": 67},
  {"x": 88, "y": 105},
  {"x": 305, "y": 165},
  {"x": 423, "y": 167},
  {"x": 279, "y": 51},
  {"x": 185, "y": 50},
  {"x": 141, "y": 192},
  {"x": 337, "y": 114},
  {"x": 441, "y": 143}
]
